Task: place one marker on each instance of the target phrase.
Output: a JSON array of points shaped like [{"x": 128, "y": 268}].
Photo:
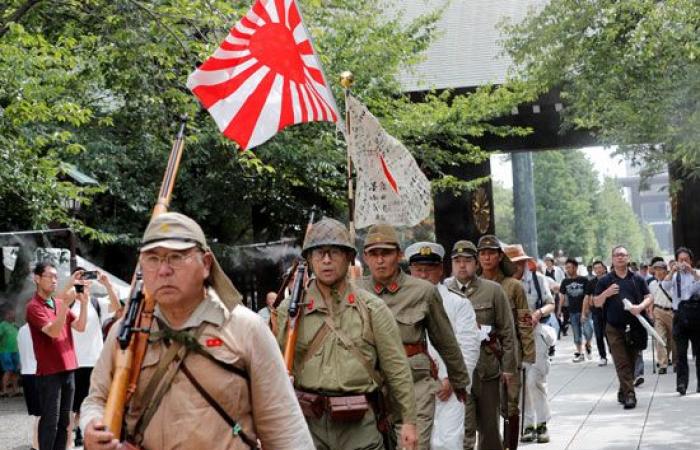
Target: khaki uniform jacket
[
  {"x": 265, "y": 407},
  {"x": 493, "y": 309},
  {"x": 417, "y": 307},
  {"x": 521, "y": 317},
  {"x": 333, "y": 369}
]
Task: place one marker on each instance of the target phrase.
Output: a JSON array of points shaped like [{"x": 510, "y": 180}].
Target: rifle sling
[
  {"x": 237, "y": 430},
  {"x": 376, "y": 376},
  {"x": 161, "y": 380}
]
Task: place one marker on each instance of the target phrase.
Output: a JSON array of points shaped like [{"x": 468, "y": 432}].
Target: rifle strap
[
  {"x": 235, "y": 427},
  {"x": 376, "y": 376},
  {"x": 160, "y": 382},
  {"x": 316, "y": 343}
]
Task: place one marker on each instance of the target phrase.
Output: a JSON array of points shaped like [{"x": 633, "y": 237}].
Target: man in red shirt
[{"x": 50, "y": 320}]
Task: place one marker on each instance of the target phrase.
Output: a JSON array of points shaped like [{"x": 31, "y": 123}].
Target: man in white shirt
[
  {"x": 537, "y": 412},
  {"x": 681, "y": 283},
  {"x": 663, "y": 316},
  {"x": 425, "y": 262}
]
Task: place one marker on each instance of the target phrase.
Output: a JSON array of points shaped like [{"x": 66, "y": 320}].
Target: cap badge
[{"x": 426, "y": 251}]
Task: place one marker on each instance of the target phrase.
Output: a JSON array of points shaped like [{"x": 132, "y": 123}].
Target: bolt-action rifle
[
  {"x": 136, "y": 324},
  {"x": 294, "y": 311}
]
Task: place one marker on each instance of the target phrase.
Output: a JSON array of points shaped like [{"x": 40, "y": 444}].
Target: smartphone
[
  {"x": 79, "y": 288},
  {"x": 89, "y": 275}
]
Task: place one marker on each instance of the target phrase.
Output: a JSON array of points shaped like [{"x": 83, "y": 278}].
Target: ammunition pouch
[
  {"x": 346, "y": 408},
  {"x": 350, "y": 408}
]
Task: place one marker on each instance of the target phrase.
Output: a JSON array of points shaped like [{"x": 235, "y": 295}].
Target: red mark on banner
[{"x": 388, "y": 175}]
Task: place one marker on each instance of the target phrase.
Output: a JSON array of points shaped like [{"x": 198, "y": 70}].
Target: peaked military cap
[
  {"x": 381, "y": 235},
  {"x": 489, "y": 241},
  {"x": 464, "y": 248},
  {"x": 425, "y": 253}
]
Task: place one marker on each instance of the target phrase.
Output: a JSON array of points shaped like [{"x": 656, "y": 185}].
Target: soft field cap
[
  {"x": 464, "y": 248},
  {"x": 174, "y": 231},
  {"x": 381, "y": 235}
]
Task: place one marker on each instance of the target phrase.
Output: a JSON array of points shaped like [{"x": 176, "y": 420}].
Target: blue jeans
[{"x": 586, "y": 328}]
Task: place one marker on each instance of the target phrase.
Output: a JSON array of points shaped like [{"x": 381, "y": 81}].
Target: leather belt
[
  {"x": 415, "y": 348},
  {"x": 418, "y": 348}
]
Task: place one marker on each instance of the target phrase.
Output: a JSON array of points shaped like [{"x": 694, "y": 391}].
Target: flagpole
[{"x": 346, "y": 80}]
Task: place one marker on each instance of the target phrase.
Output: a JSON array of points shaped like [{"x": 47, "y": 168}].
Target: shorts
[
  {"x": 82, "y": 387},
  {"x": 31, "y": 395},
  {"x": 9, "y": 361}
]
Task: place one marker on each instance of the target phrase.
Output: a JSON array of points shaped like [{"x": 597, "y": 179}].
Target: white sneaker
[
  {"x": 602, "y": 362},
  {"x": 578, "y": 357}
]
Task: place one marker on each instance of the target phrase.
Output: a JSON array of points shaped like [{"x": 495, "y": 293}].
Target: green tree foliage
[
  {"x": 504, "y": 218},
  {"x": 629, "y": 70},
  {"x": 105, "y": 84},
  {"x": 565, "y": 183}
]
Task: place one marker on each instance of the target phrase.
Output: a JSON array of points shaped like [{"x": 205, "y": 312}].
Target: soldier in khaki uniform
[
  {"x": 498, "y": 360},
  {"x": 417, "y": 307},
  {"x": 230, "y": 355},
  {"x": 348, "y": 346},
  {"x": 496, "y": 266}
]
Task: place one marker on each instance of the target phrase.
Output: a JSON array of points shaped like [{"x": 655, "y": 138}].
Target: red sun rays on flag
[{"x": 264, "y": 76}]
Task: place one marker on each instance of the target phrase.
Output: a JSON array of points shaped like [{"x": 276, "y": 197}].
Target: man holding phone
[
  {"x": 681, "y": 283},
  {"x": 50, "y": 323},
  {"x": 88, "y": 343}
]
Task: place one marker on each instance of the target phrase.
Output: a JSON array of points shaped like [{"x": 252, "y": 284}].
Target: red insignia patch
[
  {"x": 393, "y": 287},
  {"x": 214, "y": 342},
  {"x": 310, "y": 305},
  {"x": 351, "y": 299},
  {"x": 378, "y": 288}
]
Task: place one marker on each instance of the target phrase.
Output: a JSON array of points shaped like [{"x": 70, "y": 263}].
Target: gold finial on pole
[{"x": 347, "y": 79}]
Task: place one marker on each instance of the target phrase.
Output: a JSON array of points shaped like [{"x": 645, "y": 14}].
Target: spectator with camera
[
  {"x": 682, "y": 283},
  {"x": 88, "y": 344},
  {"x": 50, "y": 322}
]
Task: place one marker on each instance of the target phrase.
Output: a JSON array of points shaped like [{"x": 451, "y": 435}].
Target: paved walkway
[{"x": 586, "y": 415}]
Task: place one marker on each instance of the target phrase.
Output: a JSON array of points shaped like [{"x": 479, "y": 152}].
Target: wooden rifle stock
[
  {"x": 294, "y": 315},
  {"x": 295, "y": 303},
  {"x": 136, "y": 323}
]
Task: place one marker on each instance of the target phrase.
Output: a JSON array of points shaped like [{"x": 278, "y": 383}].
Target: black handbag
[
  {"x": 689, "y": 313},
  {"x": 636, "y": 335}
]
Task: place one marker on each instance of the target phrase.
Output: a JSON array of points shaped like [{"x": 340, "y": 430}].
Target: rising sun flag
[{"x": 264, "y": 77}]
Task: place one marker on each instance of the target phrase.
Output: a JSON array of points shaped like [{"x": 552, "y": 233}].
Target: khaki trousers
[
  {"x": 624, "y": 358},
  {"x": 663, "y": 324},
  {"x": 425, "y": 388},
  {"x": 329, "y": 435},
  {"x": 481, "y": 414}
]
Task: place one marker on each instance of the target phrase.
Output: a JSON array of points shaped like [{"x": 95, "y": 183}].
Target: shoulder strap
[
  {"x": 376, "y": 376},
  {"x": 160, "y": 382},
  {"x": 540, "y": 302},
  {"x": 98, "y": 309},
  {"x": 316, "y": 343},
  {"x": 664, "y": 291},
  {"x": 235, "y": 427}
]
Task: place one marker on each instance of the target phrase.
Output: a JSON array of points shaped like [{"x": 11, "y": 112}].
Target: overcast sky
[{"x": 601, "y": 158}]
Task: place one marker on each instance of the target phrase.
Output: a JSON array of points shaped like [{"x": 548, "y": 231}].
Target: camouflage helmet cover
[{"x": 328, "y": 231}]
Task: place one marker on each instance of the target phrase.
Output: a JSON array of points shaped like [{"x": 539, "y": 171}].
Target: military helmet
[{"x": 328, "y": 231}]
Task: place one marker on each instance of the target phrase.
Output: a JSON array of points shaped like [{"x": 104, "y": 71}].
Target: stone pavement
[{"x": 586, "y": 415}]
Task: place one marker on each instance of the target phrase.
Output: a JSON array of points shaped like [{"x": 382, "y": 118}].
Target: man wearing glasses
[
  {"x": 218, "y": 379},
  {"x": 348, "y": 346},
  {"x": 619, "y": 284},
  {"x": 50, "y": 321}
]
